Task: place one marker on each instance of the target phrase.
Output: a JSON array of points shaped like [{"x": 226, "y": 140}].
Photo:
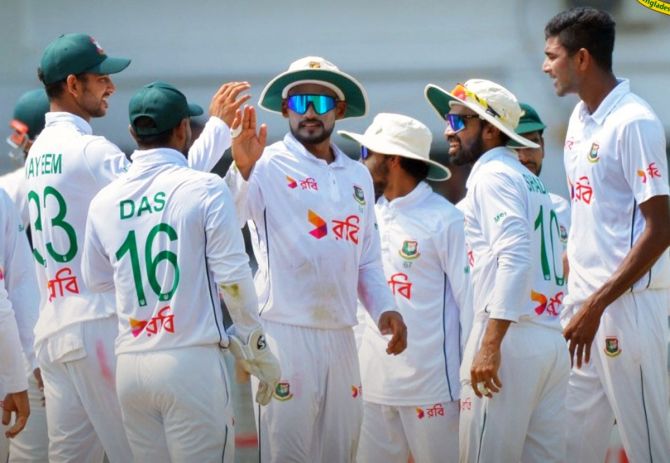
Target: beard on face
[
  {"x": 312, "y": 136},
  {"x": 467, "y": 154}
]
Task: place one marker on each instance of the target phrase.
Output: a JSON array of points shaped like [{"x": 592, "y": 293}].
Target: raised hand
[
  {"x": 227, "y": 100},
  {"x": 248, "y": 144}
]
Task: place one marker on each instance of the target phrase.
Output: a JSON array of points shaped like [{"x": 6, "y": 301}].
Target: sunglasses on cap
[
  {"x": 18, "y": 140},
  {"x": 321, "y": 103},
  {"x": 457, "y": 121},
  {"x": 464, "y": 94}
]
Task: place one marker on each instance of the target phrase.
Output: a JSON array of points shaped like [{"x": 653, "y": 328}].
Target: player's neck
[
  {"x": 67, "y": 106},
  {"x": 321, "y": 150},
  {"x": 596, "y": 88},
  {"x": 399, "y": 187}
]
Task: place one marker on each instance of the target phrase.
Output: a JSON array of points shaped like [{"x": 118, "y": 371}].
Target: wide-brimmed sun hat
[
  {"x": 395, "y": 134},
  {"x": 491, "y": 101},
  {"x": 315, "y": 70}
]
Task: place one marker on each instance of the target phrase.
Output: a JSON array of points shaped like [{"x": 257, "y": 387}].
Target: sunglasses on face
[
  {"x": 364, "y": 153},
  {"x": 321, "y": 103},
  {"x": 18, "y": 140},
  {"x": 457, "y": 121}
]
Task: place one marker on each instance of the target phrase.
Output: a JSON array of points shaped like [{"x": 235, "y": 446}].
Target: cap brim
[
  {"x": 110, "y": 66},
  {"x": 436, "y": 171},
  {"x": 441, "y": 101},
  {"x": 354, "y": 94},
  {"x": 194, "y": 110}
]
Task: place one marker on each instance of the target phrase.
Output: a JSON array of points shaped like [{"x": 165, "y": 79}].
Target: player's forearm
[
  {"x": 242, "y": 303},
  {"x": 494, "y": 334}
]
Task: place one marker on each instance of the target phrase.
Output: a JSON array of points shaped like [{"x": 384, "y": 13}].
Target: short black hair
[
  {"x": 151, "y": 141},
  {"x": 417, "y": 169},
  {"x": 56, "y": 89},
  {"x": 585, "y": 27}
]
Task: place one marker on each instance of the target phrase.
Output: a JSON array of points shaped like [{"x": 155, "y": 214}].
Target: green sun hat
[
  {"x": 530, "y": 121},
  {"x": 316, "y": 70},
  {"x": 30, "y": 110},
  {"x": 162, "y": 103},
  {"x": 77, "y": 53}
]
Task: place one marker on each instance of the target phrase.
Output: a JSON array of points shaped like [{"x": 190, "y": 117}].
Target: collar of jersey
[
  {"x": 156, "y": 157},
  {"x": 607, "y": 105},
  {"x": 294, "y": 146},
  {"x": 416, "y": 196},
  {"x": 61, "y": 117},
  {"x": 499, "y": 152}
]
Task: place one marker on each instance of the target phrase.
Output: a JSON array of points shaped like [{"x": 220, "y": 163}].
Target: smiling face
[
  {"x": 560, "y": 66},
  {"x": 466, "y": 145},
  {"x": 92, "y": 94},
  {"x": 312, "y": 128}
]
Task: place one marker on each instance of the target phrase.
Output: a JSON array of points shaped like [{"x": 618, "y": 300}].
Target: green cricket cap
[
  {"x": 162, "y": 103},
  {"x": 75, "y": 54},
  {"x": 30, "y": 110},
  {"x": 530, "y": 121}
]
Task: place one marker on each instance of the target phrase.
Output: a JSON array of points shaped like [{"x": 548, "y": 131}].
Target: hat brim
[
  {"x": 441, "y": 101},
  {"x": 109, "y": 66},
  {"x": 436, "y": 171},
  {"x": 354, "y": 94}
]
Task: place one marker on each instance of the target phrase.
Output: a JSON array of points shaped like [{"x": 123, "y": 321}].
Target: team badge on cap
[
  {"x": 612, "y": 346},
  {"x": 283, "y": 391}
]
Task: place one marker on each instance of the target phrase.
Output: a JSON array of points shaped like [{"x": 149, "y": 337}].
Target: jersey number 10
[{"x": 553, "y": 227}]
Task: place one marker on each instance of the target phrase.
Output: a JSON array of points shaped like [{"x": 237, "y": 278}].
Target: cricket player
[
  {"x": 66, "y": 166},
  {"x": 165, "y": 237},
  {"x": 17, "y": 283},
  {"x": 618, "y": 290},
  {"x": 28, "y": 121},
  {"x": 311, "y": 215},
  {"x": 411, "y": 401},
  {"x": 515, "y": 368},
  {"x": 531, "y": 127}
]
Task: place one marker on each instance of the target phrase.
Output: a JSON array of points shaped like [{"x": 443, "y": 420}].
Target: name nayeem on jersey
[{"x": 47, "y": 163}]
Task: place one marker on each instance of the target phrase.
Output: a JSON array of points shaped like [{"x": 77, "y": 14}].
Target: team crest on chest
[
  {"x": 593, "y": 153},
  {"x": 283, "y": 391},
  {"x": 409, "y": 250},
  {"x": 612, "y": 348},
  {"x": 359, "y": 195}
]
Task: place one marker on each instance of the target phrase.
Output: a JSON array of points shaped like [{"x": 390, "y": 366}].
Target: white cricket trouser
[
  {"x": 176, "y": 405},
  {"x": 390, "y": 433},
  {"x": 627, "y": 379},
  {"x": 525, "y": 421},
  {"x": 83, "y": 412},
  {"x": 316, "y": 411}
]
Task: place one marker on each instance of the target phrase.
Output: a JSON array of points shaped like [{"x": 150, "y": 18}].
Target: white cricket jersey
[
  {"x": 562, "y": 210},
  {"x": 423, "y": 251},
  {"x": 513, "y": 236},
  {"x": 615, "y": 160},
  {"x": 16, "y": 186},
  {"x": 314, "y": 236},
  {"x": 164, "y": 236},
  {"x": 17, "y": 273},
  {"x": 65, "y": 168}
]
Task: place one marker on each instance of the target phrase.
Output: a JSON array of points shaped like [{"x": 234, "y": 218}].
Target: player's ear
[
  {"x": 340, "y": 109},
  {"x": 284, "y": 108}
]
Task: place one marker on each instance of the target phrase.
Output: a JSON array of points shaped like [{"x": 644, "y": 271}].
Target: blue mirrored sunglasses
[
  {"x": 457, "y": 121},
  {"x": 321, "y": 103},
  {"x": 364, "y": 153}
]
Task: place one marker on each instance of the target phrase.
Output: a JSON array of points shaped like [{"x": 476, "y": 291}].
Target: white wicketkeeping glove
[{"x": 256, "y": 359}]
